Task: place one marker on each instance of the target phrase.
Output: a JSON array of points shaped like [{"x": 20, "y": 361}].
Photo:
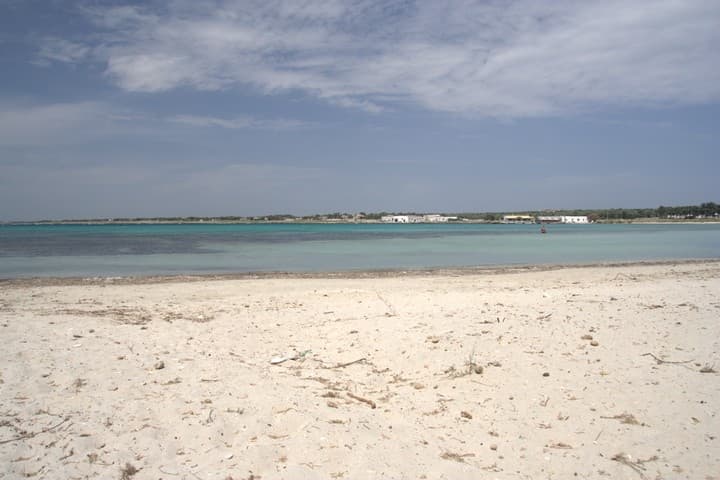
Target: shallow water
[{"x": 166, "y": 249}]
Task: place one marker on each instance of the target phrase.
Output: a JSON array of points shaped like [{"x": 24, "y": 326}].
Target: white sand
[{"x": 81, "y": 395}]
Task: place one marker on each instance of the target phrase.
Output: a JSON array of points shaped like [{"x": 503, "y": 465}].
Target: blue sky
[{"x": 179, "y": 107}]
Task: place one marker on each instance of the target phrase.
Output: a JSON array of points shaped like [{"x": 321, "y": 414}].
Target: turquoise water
[{"x": 162, "y": 249}]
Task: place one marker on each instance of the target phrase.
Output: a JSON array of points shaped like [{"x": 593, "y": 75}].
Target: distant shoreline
[
  {"x": 643, "y": 221},
  {"x": 343, "y": 274}
]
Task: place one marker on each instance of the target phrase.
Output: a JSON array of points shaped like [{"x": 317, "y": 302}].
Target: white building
[
  {"x": 518, "y": 219},
  {"x": 432, "y": 218},
  {"x": 575, "y": 219},
  {"x": 563, "y": 219},
  {"x": 401, "y": 219}
]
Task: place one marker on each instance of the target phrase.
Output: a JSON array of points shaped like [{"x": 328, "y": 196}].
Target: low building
[
  {"x": 401, "y": 219},
  {"x": 431, "y": 218},
  {"x": 435, "y": 218},
  {"x": 563, "y": 219},
  {"x": 518, "y": 219},
  {"x": 575, "y": 219},
  {"x": 550, "y": 219}
]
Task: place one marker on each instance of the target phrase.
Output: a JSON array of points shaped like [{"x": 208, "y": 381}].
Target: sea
[{"x": 111, "y": 250}]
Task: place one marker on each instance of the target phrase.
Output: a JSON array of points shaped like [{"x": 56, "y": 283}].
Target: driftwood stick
[
  {"x": 661, "y": 361},
  {"x": 343, "y": 365},
  {"x": 361, "y": 399},
  {"x": 620, "y": 458},
  {"x": 637, "y": 465},
  {"x": 31, "y": 435}
]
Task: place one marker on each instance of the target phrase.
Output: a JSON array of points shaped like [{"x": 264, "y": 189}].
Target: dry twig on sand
[
  {"x": 637, "y": 465},
  {"x": 361, "y": 399},
  {"x": 456, "y": 456},
  {"x": 626, "y": 418},
  {"x": 559, "y": 445},
  {"x": 32, "y": 434},
  {"x": 343, "y": 365},
  {"x": 660, "y": 361}
]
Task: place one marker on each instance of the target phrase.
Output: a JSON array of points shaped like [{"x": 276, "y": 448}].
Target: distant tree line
[
  {"x": 704, "y": 210},
  {"x": 708, "y": 209}
]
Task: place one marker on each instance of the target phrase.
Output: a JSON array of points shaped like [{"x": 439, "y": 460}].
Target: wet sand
[{"x": 600, "y": 371}]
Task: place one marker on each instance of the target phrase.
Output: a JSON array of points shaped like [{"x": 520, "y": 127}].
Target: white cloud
[
  {"x": 61, "y": 50},
  {"x": 350, "y": 102},
  {"x": 49, "y": 124},
  {"x": 239, "y": 123},
  {"x": 253, "y": 176},
  {"x": 23, "y": 124},
  {"x": 509, "y": 59}
]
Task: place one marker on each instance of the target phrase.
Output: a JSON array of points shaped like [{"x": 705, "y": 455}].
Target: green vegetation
[
  {"x": 704, "y": 212},
  {"x": 707, "y": 210}
]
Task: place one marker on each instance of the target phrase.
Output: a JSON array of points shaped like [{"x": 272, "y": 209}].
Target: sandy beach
[{"x": 587, "y": 372}]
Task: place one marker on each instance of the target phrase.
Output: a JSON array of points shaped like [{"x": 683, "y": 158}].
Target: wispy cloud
[
  {"x": 507, "y": 59},
  {"x": 55, "y": 123},
  {"x": 23, "y": 124},
  {"x": 240, "y": 123},
  {"x": 61, "y": 50}
]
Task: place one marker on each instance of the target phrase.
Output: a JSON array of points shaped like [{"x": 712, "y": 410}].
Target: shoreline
[
  {"x": 635, "y": 221},
  {"x": 251, "y": 222},
  {"x": 342, "y": 274}
]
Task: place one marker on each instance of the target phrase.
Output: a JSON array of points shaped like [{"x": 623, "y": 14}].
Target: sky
[{"x": 184, "y": 108}]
